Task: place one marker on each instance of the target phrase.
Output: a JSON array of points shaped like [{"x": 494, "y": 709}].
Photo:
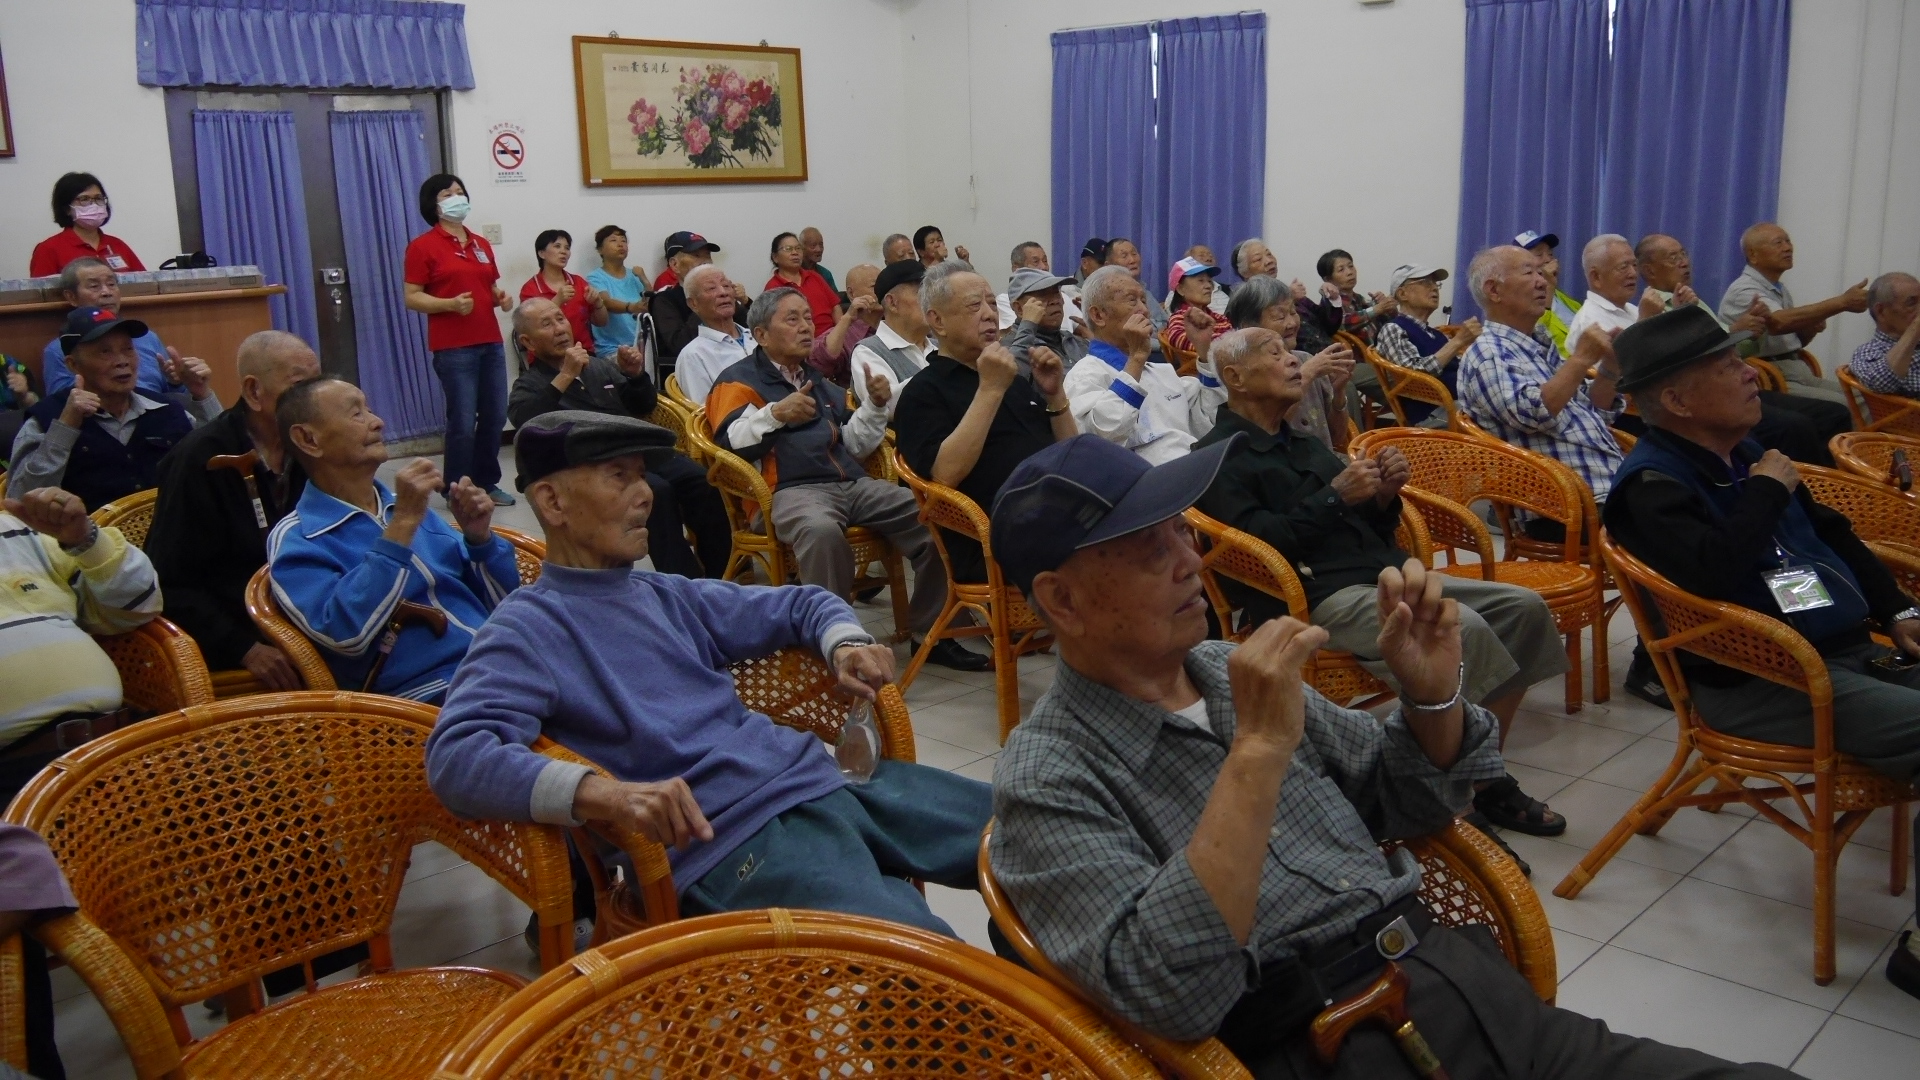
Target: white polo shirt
[{"x": 1597, "y": 310}]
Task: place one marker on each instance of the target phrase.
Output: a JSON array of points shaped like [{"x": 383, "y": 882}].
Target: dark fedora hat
[{"x": 1652, "y": 349}]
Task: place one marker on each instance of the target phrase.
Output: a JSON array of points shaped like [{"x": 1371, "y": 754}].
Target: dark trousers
[
  {"x": 1482, "y": 1020},
  {"x": 474, "y": 381},
  {"x": 682, "y": 498}
]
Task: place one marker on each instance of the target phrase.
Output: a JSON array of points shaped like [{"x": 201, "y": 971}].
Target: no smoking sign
[{"x": 507, "y": 143}]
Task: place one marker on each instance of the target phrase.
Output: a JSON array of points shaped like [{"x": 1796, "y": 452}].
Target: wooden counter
[{"x": 210, "y": 325}]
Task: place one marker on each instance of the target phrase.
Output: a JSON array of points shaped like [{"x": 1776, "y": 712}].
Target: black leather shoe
[
  {"x": 867, "y": 596},
  {"x": 1479, "y": 821},
  {"x": 951, "y": 654},
  {"x": 1903, "y": 967},
  {"x": 1504, "y": 804}
]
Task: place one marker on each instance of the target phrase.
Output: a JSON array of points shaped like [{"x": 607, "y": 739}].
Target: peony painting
[{"x": 655, "y": 112}]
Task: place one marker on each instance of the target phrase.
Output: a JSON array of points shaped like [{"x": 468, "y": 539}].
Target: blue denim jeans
[{"x": 474, "y": 379}]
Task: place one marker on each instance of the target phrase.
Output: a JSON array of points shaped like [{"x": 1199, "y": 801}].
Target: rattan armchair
[
  {"x": 1465, "y": 879},
  {"x": 131, "y": 514},
  {"x": 1869, "y": 454},
  {"x": 772, "y": 992},
  {"x": 1001, "y": 612},
  {"x": 1185, "y": 361},
  {"x": 748, "y": 499},
  {"x": 1402, "y": 385},
  {"x": 214, "y": 845},
  {"x": 676, "y": 417},
  {"x": 1878, "y": 412},
  {"x": 1886, "y": 520},
  {"x": 1452, "y": 471},
  {"x": 671, "y": 385},
  {"x": 1832, "y": 803}
]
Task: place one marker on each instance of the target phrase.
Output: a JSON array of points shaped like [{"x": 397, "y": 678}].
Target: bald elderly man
[
  {"x": 1789, "y": 325},
  {"x": 832, "y": 353}
]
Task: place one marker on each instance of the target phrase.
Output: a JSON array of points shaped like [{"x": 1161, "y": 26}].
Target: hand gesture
[
  {"x": 868, "y": 310},
  {"x": 1778, "y": 466},
  {"x": 1049, "y": 374},
  {"x": 574, "y": 361},
  {"x": 1595, "y": 347},
  {"x": 879, "y": 390},
  {"x": 997, "y": 368},
  {"x": 1855, "y": 299},
  {"x": 1358, "y": 482},
  {"x": 1032, "y": 308},
  {"x": 961, "y": 251},
  {"x": 190, "y": 372},
  {"x": 863, "y": 669},
  {"x": 1269, "y": 696},
  {"x": 1684, "y": 296},
  {"x": 501, "y": 300},
  {"x": 1330, "y": 291},
  {"x": 797, "y": 407},
  {"x": 1395, "y": 471},
  {"x": 17, "y": 382},
  {"x": 462, "y": 304},
  {"x": 1383, "y": 304},
  {"x": 565, "y": 292},
  {"x": 1651, "y": 305},
  {"x": 739, "y": 298},
  {"x": 412, "y": 485},
  {"x": 664, "y": 813},
  {"x": 472, "y": 510},
  {"x": 1136, "y": 334},
  {"x": 1299, "y": 289},
  {"x": 1335, "y": 360},
  {"x": 81, "y": 403},
  {"x": 596, "y": 298},
  {"x": 1199, "y": 325},
  {"x": 1419, "y": 633},
  {"x": 1469, "y": 331},
  {"x": 53, "y": 512},
  {"x": 1753, "y": 320},
  {"x": 271, "y": 669},
  {"x": 632, "y": 361}
]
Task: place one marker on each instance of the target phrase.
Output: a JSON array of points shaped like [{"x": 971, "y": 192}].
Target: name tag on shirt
[
  {"x": 1797, "y": 589},
  {"x": 116, "y": 261},
  {"x": 481, "y": 254}
]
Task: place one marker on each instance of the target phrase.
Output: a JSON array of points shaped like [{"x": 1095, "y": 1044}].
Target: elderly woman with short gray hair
[{"x": 1326, "y": 376}]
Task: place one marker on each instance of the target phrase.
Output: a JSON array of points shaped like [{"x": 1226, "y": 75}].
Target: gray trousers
[
  {"x": 813, "y": 519},
  {"x": 1507, "y": 636},
  {"x": 1802, "y": 382}
]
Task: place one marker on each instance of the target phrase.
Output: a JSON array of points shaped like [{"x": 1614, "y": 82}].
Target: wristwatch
[{"x": 1903, "y": 616}]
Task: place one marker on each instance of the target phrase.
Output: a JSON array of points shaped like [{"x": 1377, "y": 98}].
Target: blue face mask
[{"x": 455, "y": 208}]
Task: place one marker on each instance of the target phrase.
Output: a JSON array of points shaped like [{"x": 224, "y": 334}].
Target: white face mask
[{"x": 455, "y": 208}]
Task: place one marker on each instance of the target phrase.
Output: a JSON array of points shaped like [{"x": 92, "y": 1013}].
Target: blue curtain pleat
[
  {"x": 322, "y": 44},
  {"x": 253, "y": 209},
  {"x": 1699, "y": 95},
  {"x": 1105, "y": 173},
  {"x": 1535, "y": 128},
  {"x": 379, "y": 163},
  {"x": 1213, "y": 155}
]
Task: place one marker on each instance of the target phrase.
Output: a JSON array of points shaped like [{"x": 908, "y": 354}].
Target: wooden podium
[{"x": 210, "y": 325}]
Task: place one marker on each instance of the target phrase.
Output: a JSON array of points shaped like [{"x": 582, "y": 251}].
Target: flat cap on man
[
  {"x": 896, "y": 274},
  {"x": 556, "y": 441}
]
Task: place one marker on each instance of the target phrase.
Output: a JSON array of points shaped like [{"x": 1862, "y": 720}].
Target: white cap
[{"x": 1413, "y": 272}]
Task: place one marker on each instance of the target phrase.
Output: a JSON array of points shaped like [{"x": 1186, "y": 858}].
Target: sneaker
[
  {"x": 582, "y": 935},
  {"x": 1903, "y": 967},
  {"x": 1479, "y": 821},
  {"x": 499, "y": 496},
  {"x": 1644, "y": 683},
  {"x": 949, "y": 653},
  {"x": 1508, "y": 807}
]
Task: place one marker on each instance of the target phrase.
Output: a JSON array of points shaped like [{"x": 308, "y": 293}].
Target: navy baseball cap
[
  {"x": 93, "y": 323},
  {"x": 1086, "y": 491},
  {"x": 1533, "y": 238},
  {"x": 688, "y": 241}
]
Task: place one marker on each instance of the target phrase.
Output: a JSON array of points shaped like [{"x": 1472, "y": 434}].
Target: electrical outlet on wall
[{"x": 491, "y": 232}]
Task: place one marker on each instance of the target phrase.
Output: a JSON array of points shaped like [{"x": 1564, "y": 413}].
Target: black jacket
[
  {"x": 602, "y": 387},
  {"x": 205, "y": 542},
  {"x": 674, "y": 323}
]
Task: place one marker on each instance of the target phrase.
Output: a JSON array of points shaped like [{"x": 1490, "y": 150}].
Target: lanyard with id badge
[{"x": 1796, "y": 588}]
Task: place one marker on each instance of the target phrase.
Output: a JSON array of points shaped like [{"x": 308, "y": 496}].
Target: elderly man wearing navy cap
[
  {"x": 1562, "y": 308},
  {"x": 1192, "y": 833},
  {"x": 100, "y": 438},
  {"x": 629, "y": 669}
]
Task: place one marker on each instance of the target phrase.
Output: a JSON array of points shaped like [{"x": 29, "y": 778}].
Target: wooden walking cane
[
  {"x": 407, "y": 614},
  {"x": 1385, "y": 1003},
  {"x": 244, "y": 465}
]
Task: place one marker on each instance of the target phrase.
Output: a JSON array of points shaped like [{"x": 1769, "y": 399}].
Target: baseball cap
[
  {"x": 1086, "y": 491},
  {"x": 93, "y": 323},
  {"x": 1185, "y": 268},
  {"x": 896, "y": 274},
  {"x": 557, "y": 441},
  {"x": 1532, "y": 238},
  {"x": 1027, "y": 279},
  {"x": 1413, "y": 272},
  {"x": 688, "y": 241},
  {"x": 1095, "y": 248}
]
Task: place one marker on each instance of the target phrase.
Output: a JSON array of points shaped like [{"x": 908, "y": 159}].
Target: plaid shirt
[
  {"x": 1098, "y": 793},
  {"x": 1500, "y": 379},
  {"x": 1870, "y": 367},
  {"x": 1394, "y": 344}
]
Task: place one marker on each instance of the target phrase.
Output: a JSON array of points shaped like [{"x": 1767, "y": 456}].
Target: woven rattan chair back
[
  {"x": 1878, "y": 412},
  {"x": 1403, "y": 384},
  {"x": 528, "y": 553},
  {"x": 768, "y": 992},
  {"x": 676, "y": 417},
  {"x": 229, "y": 840},
  {"x": 131, "y": 514},
  {"x": 1886, "y": 519},
  {"x": 1466, "y": 468},
  {"x": 1869, "y": 454},
  {"x": 672, "y": 386}
]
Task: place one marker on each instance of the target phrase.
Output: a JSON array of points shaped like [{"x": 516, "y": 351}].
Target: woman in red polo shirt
[
  {"x": 787, "y": 256},
  {"x": 80, "y": 208},
  {"x": 453, "y": 279},
  {"x": 582, "y": 304}
]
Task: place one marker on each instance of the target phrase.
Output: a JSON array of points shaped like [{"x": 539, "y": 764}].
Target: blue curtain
[
  {"x": 1105, "y": 173},
  {"x": 379, "y": 163},
  {"x": 322, "y": 44},
  {"x": 1536, "y": 123},
  {"x": 1699, "y": 100},
  {"x": 252, "y": 207},
  {"x": 1212, "y": 137}
]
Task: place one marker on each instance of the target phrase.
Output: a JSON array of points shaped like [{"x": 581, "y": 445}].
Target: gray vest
[{"x": 900, "y": 360}]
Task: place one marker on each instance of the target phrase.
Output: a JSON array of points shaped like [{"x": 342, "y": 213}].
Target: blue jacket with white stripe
[{"x": 340, "y": 580}]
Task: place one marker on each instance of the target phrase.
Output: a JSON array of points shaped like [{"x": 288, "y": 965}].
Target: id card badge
[
  {"x": 1797, "y": 589},
  {"x": 480, "y": 254},
  {"x": 115, "y": 262}
]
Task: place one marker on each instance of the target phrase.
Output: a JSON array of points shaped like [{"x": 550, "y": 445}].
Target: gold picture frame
[{"x": 683, "y": 112}]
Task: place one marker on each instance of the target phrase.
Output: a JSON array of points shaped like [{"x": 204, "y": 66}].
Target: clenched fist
[
  {"x": 53, "y": 512},
  {"x": 797, "y": 407},
  {"x": 1269, "y": 695},
  {"x": 664, "y": 813},
  {"x": 1777, "y": 466},
  {"x": 1358, "y": 482},
  {"x": 1049, "y": 374},
  {"x": 416, "y": 481},
  {"x": 472, "y": 510},
  {"x": 997, "y": 368}
]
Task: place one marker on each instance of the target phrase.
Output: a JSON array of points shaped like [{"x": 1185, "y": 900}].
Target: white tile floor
[{"x": 1701, "y": 936}]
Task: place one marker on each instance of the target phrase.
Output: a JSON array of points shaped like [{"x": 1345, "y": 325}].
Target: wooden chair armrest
[
  {"x": 160, "y": 667},
  {"x": 1412, "y": 535},
  {"x": 1813, "y": 364},
  {"x": 655, "y": 876},
  {"x": 1902, "y": 562},
  {"x": 122, "y": 989},
  {"x": 1503, "y": 885},
  {"x": 891, "y": 716},
  {"x": 1452, "y": 526}
]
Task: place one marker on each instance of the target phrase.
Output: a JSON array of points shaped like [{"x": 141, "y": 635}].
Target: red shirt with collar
[
  {"x": 820, "y": 297},
  {"x": 445, "y": 268},
  {"x": 50, "y": 256},
  {"x": 579, "y": 313}
]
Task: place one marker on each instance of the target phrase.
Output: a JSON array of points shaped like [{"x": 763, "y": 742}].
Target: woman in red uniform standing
[
  {"x": 454, "y": 280},
  {"x": 787, "y": 255},
  {"x": 584, "y": 306},
  {"x": 81, "y": 210}
]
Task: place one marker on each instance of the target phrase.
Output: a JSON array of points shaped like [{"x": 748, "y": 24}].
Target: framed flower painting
[{"x": 679, "y": 112}]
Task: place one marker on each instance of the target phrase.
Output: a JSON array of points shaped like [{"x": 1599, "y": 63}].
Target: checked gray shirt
[{"x": 1097, "y": 794}]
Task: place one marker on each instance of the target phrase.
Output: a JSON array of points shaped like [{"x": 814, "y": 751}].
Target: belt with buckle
[
  {"x": 1379, "y": 939},
  {"x": 65, "y": 732}
]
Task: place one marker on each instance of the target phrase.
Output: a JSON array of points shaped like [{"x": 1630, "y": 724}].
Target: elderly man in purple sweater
[{"x": 629, "y": 669}]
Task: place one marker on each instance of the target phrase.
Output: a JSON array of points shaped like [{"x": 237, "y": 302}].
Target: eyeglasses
[{"x": 90, "y": 200}]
